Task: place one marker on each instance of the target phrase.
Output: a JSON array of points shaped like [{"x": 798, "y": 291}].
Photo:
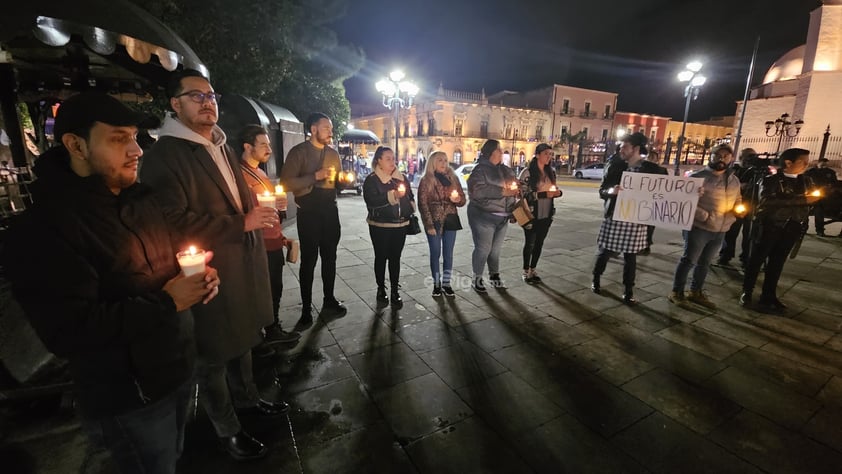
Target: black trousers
[
  {"x": 818, "y": 217},
  {"x": 629, "y": 266},
  {"x": 533, "y": 242},
  {"x": 729, "y": 244},
  {"x": 318, "y": 231},
  {"x": 276, "y": 280},
  {"x": 388, "y": 245},
  {"x": 772, "y": 246}
]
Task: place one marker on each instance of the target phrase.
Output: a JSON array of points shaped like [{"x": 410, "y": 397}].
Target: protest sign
[{"x": 658, "y": 200}]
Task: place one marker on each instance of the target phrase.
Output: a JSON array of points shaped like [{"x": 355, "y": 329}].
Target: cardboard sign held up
[{"x": 659, "y": 200}]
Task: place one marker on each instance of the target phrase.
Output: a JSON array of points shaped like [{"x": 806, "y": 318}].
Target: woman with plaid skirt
[{"x": 617, "y": 237}]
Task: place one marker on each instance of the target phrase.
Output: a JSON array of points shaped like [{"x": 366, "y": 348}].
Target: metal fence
[{"x": 769, "y": 145}]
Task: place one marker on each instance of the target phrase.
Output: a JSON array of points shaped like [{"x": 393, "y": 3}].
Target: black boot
[
  {"x": 381, "y": 296},
  {"x": 595, "y": 285},
  {"x": 628, "y": 296},
  {"x": 397, "y": 301}
]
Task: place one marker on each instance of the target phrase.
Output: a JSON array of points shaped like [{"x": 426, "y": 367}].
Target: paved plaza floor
[{"x": 548, "y": 378}]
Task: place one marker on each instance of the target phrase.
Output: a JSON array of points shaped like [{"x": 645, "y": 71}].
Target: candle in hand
[
  {"x": 553, "y": 188},
  {"x": 513, "y": 186},
  {"x": 740, "y": 208},
  {"x": 266, "y": 199},
  {"x": 401, "y": 188},
  {"x": 192, "y": 261},
  {"x": 279, "y": 189},
  {"x": 816, "y": 193},
  {"x": 454, "y": 195}
]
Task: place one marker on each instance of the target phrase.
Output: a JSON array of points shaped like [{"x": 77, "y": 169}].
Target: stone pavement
[{"x": 548, "y": 378}]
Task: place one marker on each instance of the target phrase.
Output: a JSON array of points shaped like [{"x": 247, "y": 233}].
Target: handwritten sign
[{"x": 658, "y": 200}]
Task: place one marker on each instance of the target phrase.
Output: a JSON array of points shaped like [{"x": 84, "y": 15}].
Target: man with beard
[
  {"x": 310, "y": 173},
  {"x": 204, "y": 195},
  {"x": 256, "y": 149},
  {"x": 715, "y": 213},
  {"x": 93, "y": 265},
  {"x": 780, "y": 221}
]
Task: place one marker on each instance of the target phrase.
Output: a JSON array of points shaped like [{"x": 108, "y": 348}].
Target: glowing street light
[
  {"x": 694, "y": 81},
  {"x": 397, "y": 95}
]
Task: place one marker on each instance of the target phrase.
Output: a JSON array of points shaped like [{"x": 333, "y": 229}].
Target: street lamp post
[
  {"x": 783, "y": 128},
  {"x": 397, "y": 95},
  {"x": 694, "y": 81}
]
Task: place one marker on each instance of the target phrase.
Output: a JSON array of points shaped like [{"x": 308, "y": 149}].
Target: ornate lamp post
[
  {"x": 397, "y": 95},
  {"x": 694, "y": 81},
  {"x": 783, "y": 128}
]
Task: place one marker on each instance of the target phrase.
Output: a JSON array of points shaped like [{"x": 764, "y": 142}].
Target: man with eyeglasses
[{"x": 203, "y": 195}]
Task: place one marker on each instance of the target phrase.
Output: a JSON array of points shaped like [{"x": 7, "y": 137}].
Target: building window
[
  {"x": 483, "y": 129},
  {"x": 508, "y": 132},
  {"x": 607, "y": 111},
  {"x": 539, "y": 132},
  {"x": 605, "y": 134},
  {"x": 587, "y": 112},
  {"x": 431, "y": 127},
  {"x": 420, "y": 131},
  {"x": 565, "y": 106},
  {"x": 586, "y": 132},
  {"x": 405, "y": 129},
  {"x": 457, "y": 128},
  {"x": 563, "y": 130},
  {"x": 457, "y": 157}
]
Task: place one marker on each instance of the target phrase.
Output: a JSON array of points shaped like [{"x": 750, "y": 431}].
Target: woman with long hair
[
  {"x": 389, "y": 200},
  {"x": 492, "y": 187},
  {"x": 439, "y": 195},
  {"x": 540, "y": 189}
]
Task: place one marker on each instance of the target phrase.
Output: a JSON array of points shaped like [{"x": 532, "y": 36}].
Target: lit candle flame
[
  {"x": 513, "y": 186},
  {"x": 454, "y": 193},
  {"x": 279, "y": 189},
  {"x": 740, "y": 208},
  {"x": 553, "y": 188},
  {"x": 816, "y": 193},
  {"x": 192, "y": 250},
  {"x": 267, "y": 193},
  {"x": 401, "y": 188}
]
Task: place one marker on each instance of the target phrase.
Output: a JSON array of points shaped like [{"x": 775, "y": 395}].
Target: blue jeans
[
  {"x": 488, "y": 232},
  {"x": 441, "y": 244},
  {"x": 700, "y": 246},
  {"x": 146, "y": 440}
]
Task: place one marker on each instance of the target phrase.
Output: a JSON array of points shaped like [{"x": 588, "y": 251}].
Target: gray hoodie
[{"x": 172, "y": 127}]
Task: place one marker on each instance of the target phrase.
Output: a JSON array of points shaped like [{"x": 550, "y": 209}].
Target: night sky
[{"x": 633, "y": 47}]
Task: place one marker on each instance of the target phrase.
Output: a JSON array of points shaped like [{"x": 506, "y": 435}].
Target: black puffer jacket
[{"x": 88, "y": 266}]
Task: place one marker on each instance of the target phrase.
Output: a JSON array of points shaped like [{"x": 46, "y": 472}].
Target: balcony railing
[
  {"x": 588, "y": 115},
  {"x": 568, "y": 112}
]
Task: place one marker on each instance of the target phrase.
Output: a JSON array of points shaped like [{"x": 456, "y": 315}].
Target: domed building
[{"x": 805, "y": 83}]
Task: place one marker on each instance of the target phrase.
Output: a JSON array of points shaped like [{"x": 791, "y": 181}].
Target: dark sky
[{"x": 633, "y": 47}]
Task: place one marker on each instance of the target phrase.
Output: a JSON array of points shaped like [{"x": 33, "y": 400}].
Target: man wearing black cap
[
  {"x": 93, "y": 265},
  {"x": 310, "y": 173},
  {"x": 824, "y": 178}
]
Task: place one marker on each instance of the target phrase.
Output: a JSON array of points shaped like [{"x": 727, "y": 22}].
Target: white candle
[
  {"x": 454, "y": 194},
  {"x": 266, "y": 199},
  {"x": 401, "y": 188},
  {"x": 513, "y": 186},
  {"x": 192, "y": 261},
  {"x": 281, "y": 198},
  {"x": 553, "y": 188}
]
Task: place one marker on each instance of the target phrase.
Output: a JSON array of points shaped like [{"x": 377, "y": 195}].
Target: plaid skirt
[{"x": 620, "y": 236}]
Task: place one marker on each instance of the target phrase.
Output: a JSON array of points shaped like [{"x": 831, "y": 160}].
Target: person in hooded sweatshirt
[
  {"x": 93, "y": 264},
  {"x": 204, "y": 196}
]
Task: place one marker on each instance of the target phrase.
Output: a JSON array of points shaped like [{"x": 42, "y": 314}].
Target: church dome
[{"x": 787, "y": 67}]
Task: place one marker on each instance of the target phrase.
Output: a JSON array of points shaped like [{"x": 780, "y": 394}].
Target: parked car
[
  {"x": 463, "y": 172},
  {"x": 594, "y": 171}
]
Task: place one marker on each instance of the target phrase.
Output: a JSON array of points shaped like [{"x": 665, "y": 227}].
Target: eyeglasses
[{"x": 199, "y": 97}]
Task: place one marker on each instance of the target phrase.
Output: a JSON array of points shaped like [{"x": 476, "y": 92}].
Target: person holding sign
[
  {"x": 780, "y": 222},
  {"x": 538, "y": 181},
  {"x": 716, "y": 211},
  {"x": 627, "y": 238}
]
